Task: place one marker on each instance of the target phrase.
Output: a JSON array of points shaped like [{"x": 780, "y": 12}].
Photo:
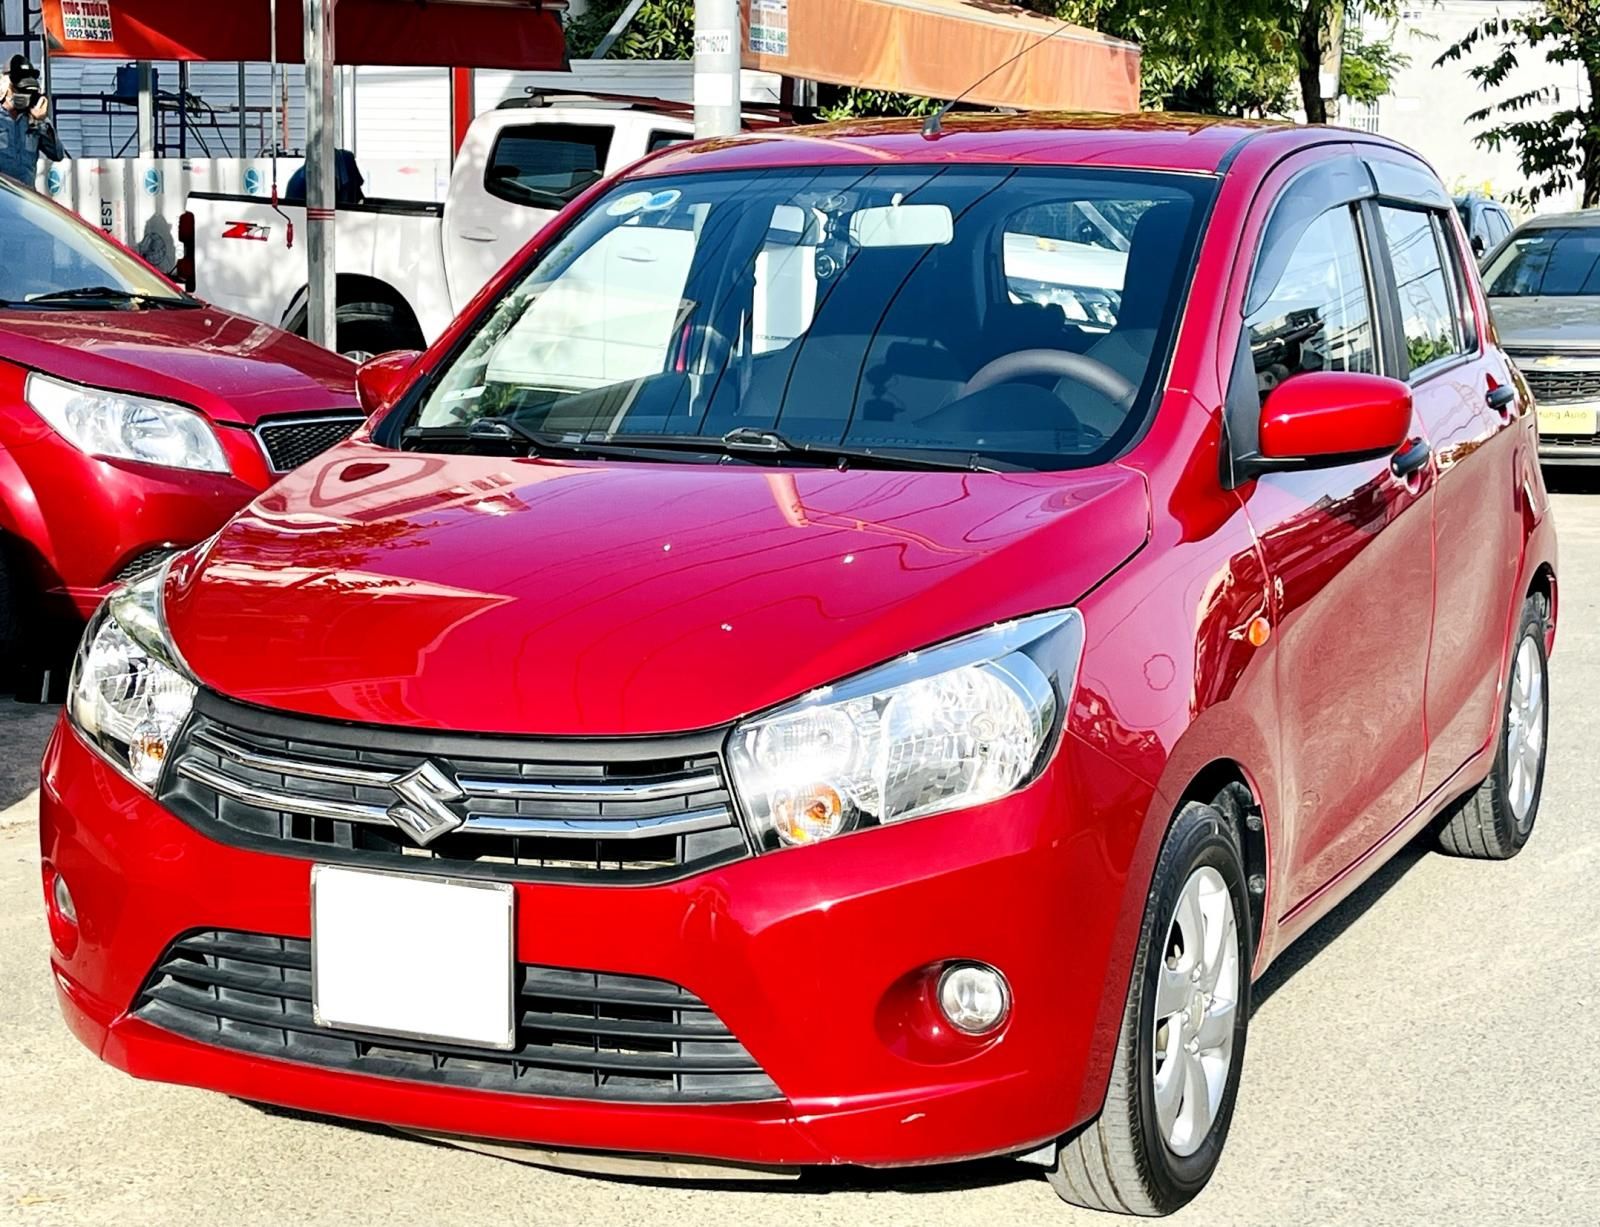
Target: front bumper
[{"x": 803, "y": 954}]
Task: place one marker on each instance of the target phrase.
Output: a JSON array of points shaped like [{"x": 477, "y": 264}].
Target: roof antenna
[{"x": 934, "y": 128}]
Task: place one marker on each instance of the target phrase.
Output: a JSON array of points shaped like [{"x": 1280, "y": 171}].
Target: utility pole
[
  {"x": 716, "y": 67},
  {"x": 323, "y": 298}
]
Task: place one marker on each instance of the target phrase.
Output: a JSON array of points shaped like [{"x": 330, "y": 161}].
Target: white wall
[{"x": 1428, "y": 106}]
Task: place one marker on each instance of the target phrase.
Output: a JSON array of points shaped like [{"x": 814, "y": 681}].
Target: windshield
[
  {"x": 1018, "y": 314},
  {"x": 1556, "y": 260},
  {"x": 45, "y": 251}
]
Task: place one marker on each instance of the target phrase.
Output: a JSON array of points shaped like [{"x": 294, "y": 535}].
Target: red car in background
[
  {"x": 859, "y": 649},
  {"x": 134, "y": 419}
]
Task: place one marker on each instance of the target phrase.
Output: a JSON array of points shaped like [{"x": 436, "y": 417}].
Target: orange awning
[
  {"x": 515, "y": 34},
  {"x": 939, "y": 48}
]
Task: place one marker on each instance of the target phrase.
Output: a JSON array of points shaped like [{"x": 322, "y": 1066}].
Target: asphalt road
[{"x": 1429, "y": 1054}]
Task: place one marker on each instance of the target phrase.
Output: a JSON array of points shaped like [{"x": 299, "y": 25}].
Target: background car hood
[
  {"x": 525, "y": 596},
  {"x": 231, "y": 368},
  {"x": 1547, "y": 322}
]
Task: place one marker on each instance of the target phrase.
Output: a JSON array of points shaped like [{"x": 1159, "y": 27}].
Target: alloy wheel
[
  {"x": 1196, "y": 1007},
  {"x": 1525, "y": 721}
]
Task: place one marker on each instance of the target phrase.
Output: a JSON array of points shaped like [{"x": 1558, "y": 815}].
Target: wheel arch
[
  {"x": 1225, "y": 784},
  {"x": 354, "y": 290}
]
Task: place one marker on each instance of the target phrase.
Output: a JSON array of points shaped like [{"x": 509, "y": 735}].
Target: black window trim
[
  {"x": 489, "y": 185},
  {"x": 1401, "y": 368}
]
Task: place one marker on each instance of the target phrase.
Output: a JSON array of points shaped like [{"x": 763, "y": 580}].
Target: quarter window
[
  {"x": 547, "y": 165},
  {"x": 1427, "y": 310},
  {"x": 1319, "y": 315}
]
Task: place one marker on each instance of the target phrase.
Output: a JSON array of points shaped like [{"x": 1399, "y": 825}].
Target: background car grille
[
  {"x": 144, "y": 560},
  {"x": 1554, "y": 386},
  {"x": 638, "y": 810},
  {"x": 580, "y": 1034},
  {"x": 291, "y": 442}
]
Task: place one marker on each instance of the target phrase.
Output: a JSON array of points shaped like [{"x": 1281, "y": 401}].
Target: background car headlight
[
  {"x": 956, "y": 725},
  {"x": 130, "y": 692},
  {"x": 126, "y": 427}
]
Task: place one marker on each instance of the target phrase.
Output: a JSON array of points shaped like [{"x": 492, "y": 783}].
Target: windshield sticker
[
  {"x": 465, "y": 393},
  {"x": 643, "y": 202}
]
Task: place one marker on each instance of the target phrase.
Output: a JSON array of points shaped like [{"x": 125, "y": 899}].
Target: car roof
[
  {"x": 1152, "y": 140},
  {"x": 1580, "y": 218}
]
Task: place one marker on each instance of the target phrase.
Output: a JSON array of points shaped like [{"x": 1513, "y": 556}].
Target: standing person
[{"x": 25, "y": 127}]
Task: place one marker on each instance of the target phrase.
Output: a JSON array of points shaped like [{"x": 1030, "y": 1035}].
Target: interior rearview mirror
[{"x": 904, "y": 225}]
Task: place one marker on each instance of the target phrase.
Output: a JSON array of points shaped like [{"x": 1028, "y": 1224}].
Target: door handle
[
  {"x": 1411, "y": 459},
  {"x": 1500, "y": 398},
  {"x": 478, "y": 234}
]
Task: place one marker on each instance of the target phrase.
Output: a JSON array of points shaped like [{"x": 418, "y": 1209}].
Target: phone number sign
[{"x": 86, "y": 21}]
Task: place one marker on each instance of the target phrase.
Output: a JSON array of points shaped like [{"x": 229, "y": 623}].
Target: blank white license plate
[{"x": 413, "y": 956}]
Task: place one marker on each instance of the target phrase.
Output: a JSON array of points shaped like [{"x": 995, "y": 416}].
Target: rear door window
[
  {"x": 1428, "y": 315},
  {"x": 547, "y": 165},
  {"x": 1319, "y": 315},
  {"x": 665, "y": 140}
]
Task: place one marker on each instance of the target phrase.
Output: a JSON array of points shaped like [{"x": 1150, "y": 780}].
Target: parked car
[
  {"x": 134, "y": 419},
  {"x": 1544, "y": 289},
  {"x": 1485, "y": 220},
  {"x": 803, "y": 701},
  {"x": 406, "y": 267}
]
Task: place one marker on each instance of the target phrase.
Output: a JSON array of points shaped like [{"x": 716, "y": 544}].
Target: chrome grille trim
[
  {"x": 285, "y": 802},
  {"x": 542, "y": 790},
  {"x": 635, "y": 810},
  {"x": 601, "y": 828}
]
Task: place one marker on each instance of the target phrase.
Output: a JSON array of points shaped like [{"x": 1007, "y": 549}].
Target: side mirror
[
  {"x": 1325, "y": 418},
  {"x": 381, "y": 380}
]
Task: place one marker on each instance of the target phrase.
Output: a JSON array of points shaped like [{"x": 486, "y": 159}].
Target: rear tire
[
  {"x": 1175, "y": 1076},
  {"x": 371, "y": 328},
  {"x": 1494, "y": 821}
]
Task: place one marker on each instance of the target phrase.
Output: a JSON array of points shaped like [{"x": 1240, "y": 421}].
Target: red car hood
[
  {"x": 231, "y": 368},
  {"x": 530, "y": 596}
]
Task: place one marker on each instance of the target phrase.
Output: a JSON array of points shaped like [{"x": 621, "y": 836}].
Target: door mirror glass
[
  {"x": 380, "y": 381},
  {"x": 1334, "y": 417}
]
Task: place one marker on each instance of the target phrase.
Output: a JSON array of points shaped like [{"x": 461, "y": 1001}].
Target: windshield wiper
[
  {"x": 108, "y": 294},
  {"x": 744, "y": 442},
  {"x": 751, "y": 440}
]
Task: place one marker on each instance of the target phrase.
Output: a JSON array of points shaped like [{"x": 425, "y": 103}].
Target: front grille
[
  {"x": 580, "y": 1034},
  {"x": 144, "y": 560},
  {"x": 608, "y": 809},
  {"x": 291, "y": 442},
  {"x": 1556, "y": 386}
]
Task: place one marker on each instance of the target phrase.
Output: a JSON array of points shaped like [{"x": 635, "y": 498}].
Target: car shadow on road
[
  {"x": 24, "y": 729},
  {"x": 1332, "y": 926}
]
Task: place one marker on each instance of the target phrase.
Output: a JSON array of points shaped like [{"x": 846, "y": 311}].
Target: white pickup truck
[{"x": 406, "y": 268}]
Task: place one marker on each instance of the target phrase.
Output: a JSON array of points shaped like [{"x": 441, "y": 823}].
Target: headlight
[
  {"x": 956, "y": 725},
  {"x": 126, "y": 427},
  {"x": 130, "y": 692}
]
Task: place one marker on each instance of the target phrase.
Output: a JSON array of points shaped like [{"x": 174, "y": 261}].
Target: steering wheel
[{"x": 1060, "y": 362}]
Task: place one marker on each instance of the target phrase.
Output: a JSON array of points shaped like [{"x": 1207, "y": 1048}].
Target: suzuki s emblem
[{"x": 422, "y": 812}]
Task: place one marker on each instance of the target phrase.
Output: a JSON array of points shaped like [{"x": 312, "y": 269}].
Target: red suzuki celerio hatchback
[{"x": 858, "y": 649}]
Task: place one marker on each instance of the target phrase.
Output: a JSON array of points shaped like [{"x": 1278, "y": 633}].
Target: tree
[
  {"x": 660, "y": 30},
  {"x": 1562, "y": 149}
]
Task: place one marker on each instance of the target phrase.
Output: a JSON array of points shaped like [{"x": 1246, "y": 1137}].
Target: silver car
[{"x": 1544, "y": 290}]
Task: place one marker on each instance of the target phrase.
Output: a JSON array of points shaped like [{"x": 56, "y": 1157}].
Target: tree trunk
[
  {"x": 1589, "y": 145},
  {"x": 1311, "y": 62}
]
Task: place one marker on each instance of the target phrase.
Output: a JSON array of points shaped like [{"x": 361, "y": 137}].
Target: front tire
[
  {"x": 1494, "y": 821},
  {"x": 1176, "y": 1071}
]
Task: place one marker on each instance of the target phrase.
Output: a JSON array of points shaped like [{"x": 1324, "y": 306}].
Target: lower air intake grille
[
  {"x": 580, "y": 1034},
  {"x": 291, "y": 442}
]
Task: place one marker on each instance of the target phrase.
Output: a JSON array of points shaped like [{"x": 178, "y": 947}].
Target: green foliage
[
  {"x": 1368, "y": 67},
  {"x": 1561, "y": 150},
  {"x": 661, "y": 30}
]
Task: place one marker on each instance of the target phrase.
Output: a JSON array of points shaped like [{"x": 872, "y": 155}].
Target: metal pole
[
  {"x": 183, "y": 108},
  {"x": 244, "y": 112},
  {"x": 716, "y": 67},
  {"x": 146, "y": 115},
  {"x": 323, "y": 298}
]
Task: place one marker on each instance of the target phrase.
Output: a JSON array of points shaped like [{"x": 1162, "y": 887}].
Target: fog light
[
  {"x": 62, "y": 898},
  {"x": 974, "y": 999}
]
